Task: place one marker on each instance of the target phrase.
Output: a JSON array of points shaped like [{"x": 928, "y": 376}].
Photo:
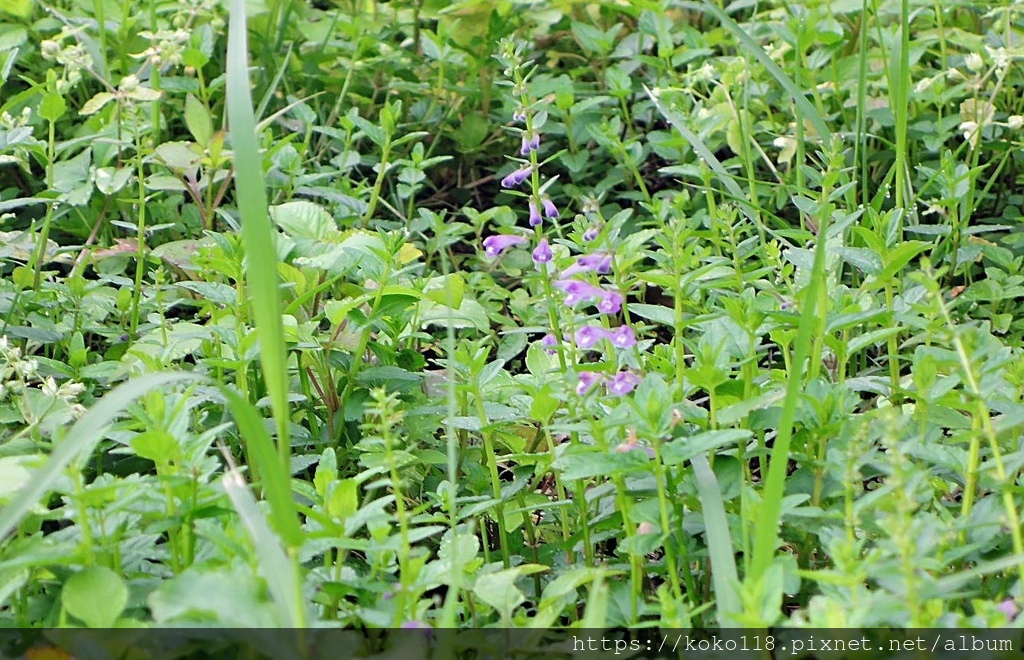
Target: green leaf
[
  {"x": 343, "y": 501},
  {"x": 302, "y": 219},
  {"x": 14, "y": 474},
  {"x": 587, "y": 461},
  {"x": 96, "y": 596},
  {"x": 274, "y": 477},
  {"x": 19, "y": 8},
  {"x": 683, "y": 449},
  {"x": 198, "y": 120},
  {"x": 52, "y": 107},
  {"x": 499, "y": 589},
  {"x": 228, "y": 596},
  {"x": 326, "y": 471},
  {"x": 96, "y": 103},
  {"x": 156, "y": 445}
]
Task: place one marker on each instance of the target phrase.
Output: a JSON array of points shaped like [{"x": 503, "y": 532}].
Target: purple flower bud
[
  {"x": 610, "y": 303},
  {"x": 531, "y": 142},
  {"x": 600, "y": 262},
  {"x": 577, "y": 291},
  {"x": 550, "y": 210},
  {"x": 590, "y": 234},
  {"x": 498, "y": 243},
  {"x": 542, "y": 253},
  {"x": 623, "y": 337},
  {"x": 535, "y": 218},
  {"x": 589, "y": 335},
  {"x": 516, "y": 177},
  {"x": 549, "y": 342},
  {"x": 1009, "y": 608},
  {"x": 587, "y": 380},
  {"x": 623, "y": 383},
  {"x": 519, "y": 115}
]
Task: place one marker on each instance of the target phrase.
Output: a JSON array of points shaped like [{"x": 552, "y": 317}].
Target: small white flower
[
  {"x": 49, "y": 387},
  {"x": 1015, "y": 122},
  {"x": 70, "y": 391},
  {"x": 974, "y": 62},
  {"x": 999, "y": 56},
  {"x": 970, "y": 131},
  {"x": 923, "y": 84}
]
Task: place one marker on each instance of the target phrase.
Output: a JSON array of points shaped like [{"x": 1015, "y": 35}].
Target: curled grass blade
[
  {"x": 81, "y": 439},
  {"x": 278, "y": 570}
]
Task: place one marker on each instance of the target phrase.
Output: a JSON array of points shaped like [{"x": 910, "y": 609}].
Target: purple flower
[
  {"x": 542, "y": 253},
  {"x": 498, "y": 243},
  {"x": 623, "y": 383},
  {"x": 600, "y": 262},
  {"x": 531, "y": 142},
  {"x": 610, "y": 303},
  {"x": 519, "y": 114},
  {"x": 516, "y": 177},
  {"x": 550, "y": 210},
  {"x": 535, "y": 218},
  {"x": 589, "y": 335},
  {"x": 577, "y": 291},
  {"x": 1009, "y": 608},
  {"x": 590, "y": 234},
  {"x": 549, "y": 342},
  {"x": 587, "y": 380},
  {"x": 622, "y": 337}
]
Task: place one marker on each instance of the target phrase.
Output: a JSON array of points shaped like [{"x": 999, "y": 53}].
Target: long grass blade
[
  {"x": 716, "y": 529},
  {"x": 278, "y": 570},
  {"x": 81, "y": 439},
  {"x": 274, "y": 479},
  {"x": 257, "y": 230}
]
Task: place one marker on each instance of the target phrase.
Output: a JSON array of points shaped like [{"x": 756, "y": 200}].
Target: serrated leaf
[{"x": 302, "y": 219}]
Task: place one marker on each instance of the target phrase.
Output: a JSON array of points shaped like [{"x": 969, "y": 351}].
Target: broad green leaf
[
  {"x": 302, "y": 219},
  {"x": 52, "y": 107},
  {"x": 19, "y": 8},
  {"x": 499, "y": 589},
  {"x": 156, "y": 445},
  {"x": 96, "y": 595}
]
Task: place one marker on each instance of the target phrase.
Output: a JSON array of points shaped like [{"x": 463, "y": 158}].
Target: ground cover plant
[{"x": 511, "y": 314}]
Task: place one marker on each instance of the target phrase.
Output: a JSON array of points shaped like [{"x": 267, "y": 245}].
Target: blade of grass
[
  {"x": 281, "y": 574},
  {"x": 257, "y": 230},
  {"x": 81, "y": 439},
  {"x": 716, "y": 529},
  {"x": 275, "y": 481},
  {"x": 767, "y": 539}
]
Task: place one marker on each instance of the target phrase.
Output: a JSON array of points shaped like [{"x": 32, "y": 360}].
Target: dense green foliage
[{"x": 516, "y": 313}]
